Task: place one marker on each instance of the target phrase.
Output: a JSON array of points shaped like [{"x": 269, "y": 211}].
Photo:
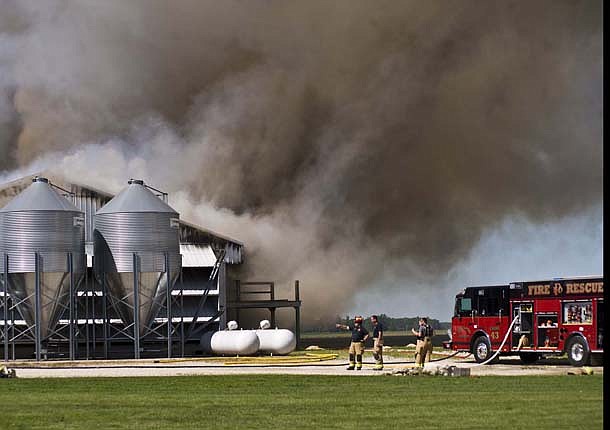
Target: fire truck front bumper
[{"x": 446, "y": 344}]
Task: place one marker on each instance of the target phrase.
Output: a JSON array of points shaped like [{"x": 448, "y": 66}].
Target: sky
[
  {"x": 514, "y": 251},
  {"x": 386, "y": 154}
]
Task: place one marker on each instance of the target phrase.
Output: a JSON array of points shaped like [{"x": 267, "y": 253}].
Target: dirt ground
[{"x": 507, "y": 366}]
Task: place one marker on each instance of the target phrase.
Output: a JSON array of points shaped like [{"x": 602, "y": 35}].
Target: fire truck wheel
[
  {"x": 578, "y": 351},
  {"x": 529, "y": 357},
  {"x": 481, "y": 349}
]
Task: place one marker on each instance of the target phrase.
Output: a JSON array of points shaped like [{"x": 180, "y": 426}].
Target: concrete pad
[{"x": 214, "y": 366}]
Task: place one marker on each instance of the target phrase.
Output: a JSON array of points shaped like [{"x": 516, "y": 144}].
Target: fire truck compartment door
[
  {"x": 525, "y": 318},
  {"x": 600, "y": 324}
]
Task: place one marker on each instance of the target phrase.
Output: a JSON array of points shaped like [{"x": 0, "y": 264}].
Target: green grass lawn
[{"x": 295, "y": 402}]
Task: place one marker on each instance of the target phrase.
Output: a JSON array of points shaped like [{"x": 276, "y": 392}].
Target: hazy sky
[
  {"x": 515, "y": 250},
  {"x": 385, "y": 153}
]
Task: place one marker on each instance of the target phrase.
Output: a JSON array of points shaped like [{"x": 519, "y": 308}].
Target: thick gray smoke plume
[{"x": 344, "y": 142}]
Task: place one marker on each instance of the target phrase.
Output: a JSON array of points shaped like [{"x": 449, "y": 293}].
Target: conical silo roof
[
  {"x": 39, "y": 229},
  {"x": 137, "y": 226},
  {"x": 39, "y": 197},
  {"x": 136, "y": 198}
]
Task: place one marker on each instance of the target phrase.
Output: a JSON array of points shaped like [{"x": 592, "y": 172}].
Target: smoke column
[{"x": 354, "y": 145}]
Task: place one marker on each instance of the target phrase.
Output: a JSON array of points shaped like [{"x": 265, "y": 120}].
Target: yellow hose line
[
  {"x": 287, "y": 359},
  {"x": 186, "y": 360},
  {"x": 307, "y": 358}
]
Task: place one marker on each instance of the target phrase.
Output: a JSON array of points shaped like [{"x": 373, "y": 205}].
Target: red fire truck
[{"x": 557, "y": 316}]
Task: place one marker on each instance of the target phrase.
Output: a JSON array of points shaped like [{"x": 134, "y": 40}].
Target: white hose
[{"x": 502, "y": 344}]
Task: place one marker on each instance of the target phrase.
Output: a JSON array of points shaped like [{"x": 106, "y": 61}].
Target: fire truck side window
[
  {"x": 482, "y": 302},
  {"x": 490, "y": 302},
  {"x": 577, "y": 313}
]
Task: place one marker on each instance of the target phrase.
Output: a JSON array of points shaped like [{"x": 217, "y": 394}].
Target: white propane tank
[
  {"x": 277, "y": 341},
  {"x": 235, "y": 342}
]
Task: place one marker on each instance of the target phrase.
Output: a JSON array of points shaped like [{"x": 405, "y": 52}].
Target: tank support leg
[
  {"x": 181, "y": 315},
  {"x": 136, "y": 308},
  {"x": 37, "y": 306},
  {"x": 168, "y": 298},
  {"x": 71, "y": 309},
  {"x": 5, "y": 307},
  {"x": 105, "y": 313},
  {"x": 297, "y": 314}
]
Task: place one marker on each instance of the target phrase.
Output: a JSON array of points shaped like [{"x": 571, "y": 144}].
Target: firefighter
[
  {"x": 423, "y": 342},
  {"x": 430, "y": 347},
  {"x": 377, "y": 342},
  {"x": 356, "y": 347}
]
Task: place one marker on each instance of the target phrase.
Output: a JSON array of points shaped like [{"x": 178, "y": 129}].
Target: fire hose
[{"x": 502, "y": 344}]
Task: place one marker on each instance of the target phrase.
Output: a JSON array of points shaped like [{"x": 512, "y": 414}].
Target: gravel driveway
[{"x": 506, "y": 367}]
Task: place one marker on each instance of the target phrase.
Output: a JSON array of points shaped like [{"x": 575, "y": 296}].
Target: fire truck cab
[{"x": 531, "y": 319}]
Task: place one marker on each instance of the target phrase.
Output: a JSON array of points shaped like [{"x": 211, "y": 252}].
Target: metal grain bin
[
  {"x": 39, "y": 220},
  {"x": 136, "y": 221}
]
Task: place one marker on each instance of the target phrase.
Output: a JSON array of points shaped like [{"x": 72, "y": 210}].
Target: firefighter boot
[
  {"x": 351, "y": 362},
  {"x": 359, "y": 362}
]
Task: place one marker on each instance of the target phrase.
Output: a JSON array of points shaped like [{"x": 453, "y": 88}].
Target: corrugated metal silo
[
  {"x": 136, "y": 221},
  {"x": 41, "y": 221}
]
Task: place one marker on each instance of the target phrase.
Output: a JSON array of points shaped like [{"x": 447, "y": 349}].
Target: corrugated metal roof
[
  {"x": 39, "y": 197},
  {"x": 197, "y": 255},
  {"x": 202, "y": 230},
  {"x": 193, "y": 234},
  {"x": 136, "y": 198}
]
